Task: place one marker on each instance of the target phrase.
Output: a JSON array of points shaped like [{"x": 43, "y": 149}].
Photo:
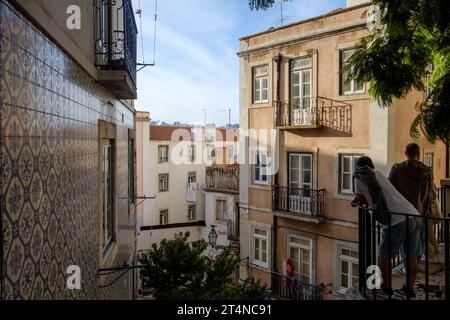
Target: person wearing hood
[{"x": 414, "y": 180}]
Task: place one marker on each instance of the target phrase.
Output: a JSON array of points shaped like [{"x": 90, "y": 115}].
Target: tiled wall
[{"x": 49, "y": 110}]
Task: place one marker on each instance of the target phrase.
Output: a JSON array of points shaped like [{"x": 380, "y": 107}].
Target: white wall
[
  {"x": 175, "y": 199},
  {"x": 210, "y": 215},
  {"x": 148, "y": 237}
]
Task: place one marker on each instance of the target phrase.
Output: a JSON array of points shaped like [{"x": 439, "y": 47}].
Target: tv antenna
[
  {"x": 229, "y": 115},
  {"x": 283, "y": 18},
  {"x": 143, "y": 65}
]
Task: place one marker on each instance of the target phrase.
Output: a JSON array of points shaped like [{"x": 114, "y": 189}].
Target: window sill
[
  {"x": 344, "y": 196},
  {"x": 265, "y": 104},
  {"x": 260, "y": 186},
  {"x": 353, "y": 96},
  {"x": 259, "y": 266}
]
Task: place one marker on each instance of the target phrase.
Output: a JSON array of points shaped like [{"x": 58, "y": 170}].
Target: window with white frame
[
  {"x": 300, "y": 252},
  {"x": 349, "y": 86},
  {"x": 163, "y": 154},
  {"x": 260, "y": 168},
  {"x": 192, "y": 212},
  {"x": 346, "y": 170},
  {"x": 164, "y": 217},
  {"x": 261, "y": 84},
  {"x": 221, "y": 210},
  {"x": 164, "y": 182},
  {"x": 301, "y": 85},
  {"x": 348, "y": 268},
  {"x": 429, "y": 159},
  {"x": 260, "y": 239}
]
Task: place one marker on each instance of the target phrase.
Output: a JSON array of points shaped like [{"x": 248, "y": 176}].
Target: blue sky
[{"x": 196, "y": 62}]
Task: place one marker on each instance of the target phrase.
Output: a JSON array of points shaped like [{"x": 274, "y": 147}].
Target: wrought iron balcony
[
  {"x": 299, "y": 203},
  {"x": 115, "y": 46},
  {"x": 223, "y": 179},
  {"x": 433, "y": 278},
  {"x": 292, "y": 289},
  {"x": 313, "y": 113}
]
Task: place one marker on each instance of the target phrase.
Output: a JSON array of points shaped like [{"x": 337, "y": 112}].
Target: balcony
[
  {"x": 115, "y": 46},
  {"x": 433, "y": 279},
  {"x": 299, "y": 203},
  {"x": 223, "y": 179},
  {"x": 285, "y": 288},
  {"x": 313, "y": 113}
]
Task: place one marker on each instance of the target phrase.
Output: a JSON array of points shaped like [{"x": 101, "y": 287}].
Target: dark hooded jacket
[{"x": 414, "y": 180}]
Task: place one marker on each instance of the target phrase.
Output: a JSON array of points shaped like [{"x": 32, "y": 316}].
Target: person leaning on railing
[
  {"x": 414, "y": 180},
  {"x": 374, "y": 190}
]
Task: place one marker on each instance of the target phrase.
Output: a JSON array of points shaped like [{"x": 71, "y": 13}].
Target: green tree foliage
[
  {"x": 175, "y": 270},
  {"x": 395, "y": 59}
]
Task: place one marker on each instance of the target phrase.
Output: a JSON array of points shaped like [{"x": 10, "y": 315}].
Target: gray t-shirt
[{"x": 396, "y": 203}]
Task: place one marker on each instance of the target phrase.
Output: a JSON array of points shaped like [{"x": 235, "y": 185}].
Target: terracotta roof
[
  {"x": 165, "y": 133},
  {"x": 175, "y": 133}
]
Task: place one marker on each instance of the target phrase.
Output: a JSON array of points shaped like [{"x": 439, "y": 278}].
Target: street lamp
[{"x": 212, "y": 237}]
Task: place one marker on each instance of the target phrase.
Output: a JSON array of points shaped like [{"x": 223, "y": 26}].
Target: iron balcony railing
[
  {"x": 292, "y": 289},
  {"x": 223, "y": 178},
  {"x": 315, "y": 112},
  {"x": 432, "y": 283},
  {"x": 299, "y": 201},
  {"x": 116, "y": 36}
]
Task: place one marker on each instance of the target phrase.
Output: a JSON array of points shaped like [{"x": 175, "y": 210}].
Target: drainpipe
[
  {"x": 447, "y": 162},
  {"x": 277, "y": 59}
]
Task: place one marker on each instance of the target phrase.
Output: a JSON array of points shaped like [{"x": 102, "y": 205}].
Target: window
[
  {"x": 260, "y": 247},
  {"x": 260, "y": 168},
  {"x": 221, "y": 210},
  {"x": 191, "y": 153},
  {"x": 164, "y": 182},
  {"x": 164, "y": 217},
  {"x": 261, "y": 84},
  {"x": 300, "y": 252},
  {"x": 301, "y": 89},
  {"x": 107, "y": 183},
  {"x": 192, "y": 177},
  {"x": 300, "y": 170},
  {"x": 348, "y": 268},
  {"x": 163, "y": 154},
  {"x": 429, "y": 159},
  {"x": 346, "y": 170},
  {"x": 131, "y": 169},
  {"x": 211, "y": 152},
  {"x": 192, "y": 212},
  {"x": 349, "y": 86}
]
